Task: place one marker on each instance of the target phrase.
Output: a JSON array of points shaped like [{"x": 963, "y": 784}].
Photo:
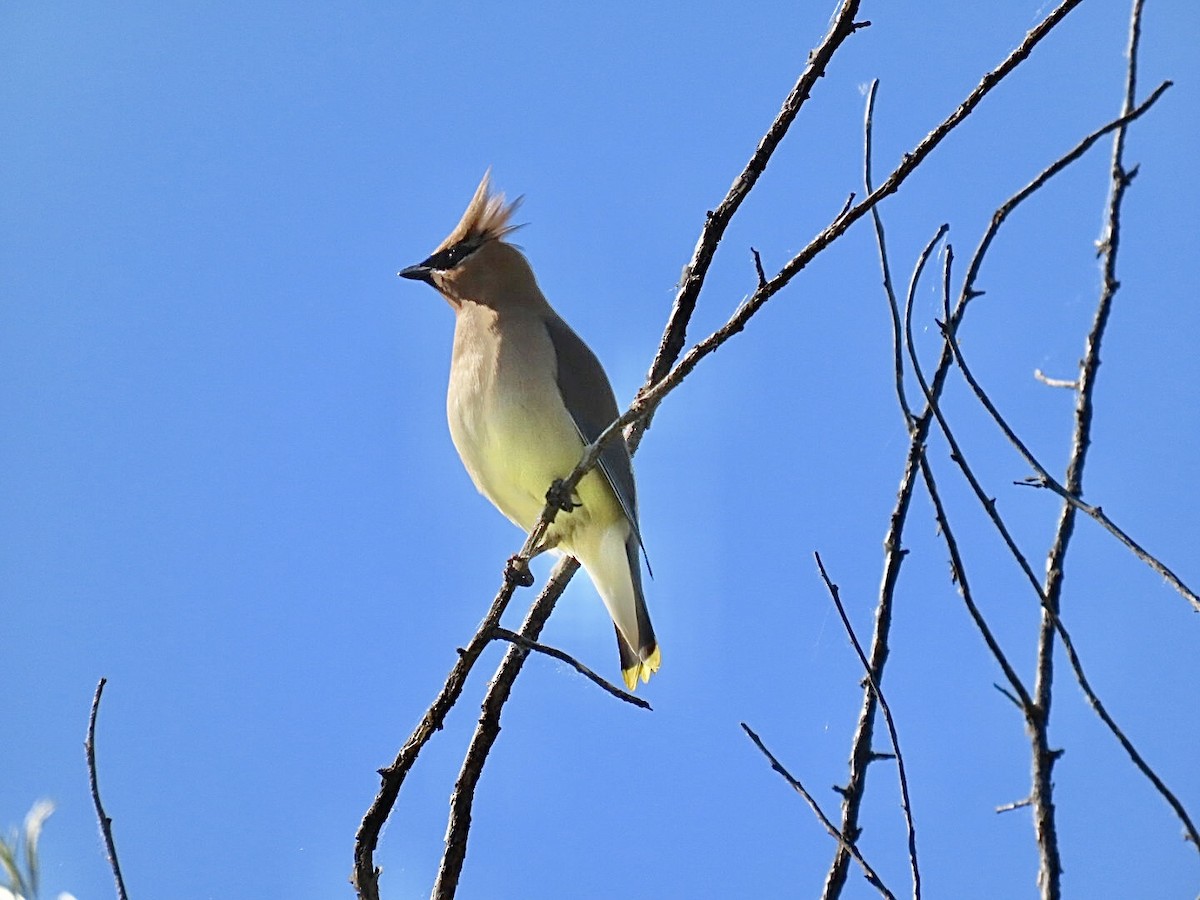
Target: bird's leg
[{"x": 561, "y": 499}]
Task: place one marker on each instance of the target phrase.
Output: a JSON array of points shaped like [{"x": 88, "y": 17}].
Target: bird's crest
[{"x": 488, "y": 217}]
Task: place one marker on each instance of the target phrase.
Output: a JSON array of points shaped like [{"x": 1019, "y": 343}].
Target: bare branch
[
  {"x": 1050, "y": 863},
  {"x": 845, "y": 843},
  {"x": 717, "y": 220},
  {"x": 958, "y": 571},
  {"x": 1045, "y": 480},
  {"x": 906, "y": 802},
  {"x": 513, "y": 638},
  {"x": 1035, "y": 715},
  {"x": 889, "y": 291},
  {"x": 89, "y": 746},
  {"x": 1003, "y": 212},
  {"x": 488, "y": 729},
  {"x": 365, "y": 876}
]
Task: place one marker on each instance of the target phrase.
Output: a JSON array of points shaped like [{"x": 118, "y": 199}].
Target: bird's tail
[
  {"x": 633, "y": 665},
  {"x": 614, "y": 566}
]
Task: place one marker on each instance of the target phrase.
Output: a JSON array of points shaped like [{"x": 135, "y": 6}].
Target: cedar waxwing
[{"x": 526, "y": 396}]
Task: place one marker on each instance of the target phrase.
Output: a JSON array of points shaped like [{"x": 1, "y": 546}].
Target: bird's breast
[{"x": 507, "y": 418}]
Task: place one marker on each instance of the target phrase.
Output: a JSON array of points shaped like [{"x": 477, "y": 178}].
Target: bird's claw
[
  {"x": 516, "y": 572},
  {"x": 560, "y": 498}
]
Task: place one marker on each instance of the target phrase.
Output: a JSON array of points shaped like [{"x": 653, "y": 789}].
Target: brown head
[{"x": 474, "y": 264}]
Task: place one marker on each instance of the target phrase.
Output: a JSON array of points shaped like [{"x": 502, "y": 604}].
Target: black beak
[{"x": 420, "y": 272}]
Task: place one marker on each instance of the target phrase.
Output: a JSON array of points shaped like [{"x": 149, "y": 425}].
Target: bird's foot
[
  {"x": 560, "y": 498},
  {"x": 516, "y": 572}
]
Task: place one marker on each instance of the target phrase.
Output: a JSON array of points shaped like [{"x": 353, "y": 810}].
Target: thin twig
[
  {"x": 958, "y": 574},
  {"x": 845, "y": 843},
  {"x": 906, "y": 802},
  {"x": 910, "y": 299},
  {"x": 513, "y": 638},
  {"x": 846, "y": 206},
  {"x": 1055, "y": 382},
  {"x": 758, "y": 267},
  {"x": 89, "y": 746},
  {"x": 957, "y": 568},
  {"x": 1006, "y": 209},
  {"x": 881, "y": 244},
  {"x": 1046, "y": 480},
  {"x": 1016, "y": 804}
]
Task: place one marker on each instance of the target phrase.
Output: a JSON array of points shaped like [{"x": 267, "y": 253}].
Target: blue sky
[{"x": 229, "y": 488}]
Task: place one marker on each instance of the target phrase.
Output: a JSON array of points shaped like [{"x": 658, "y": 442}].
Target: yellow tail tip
[
  {"x": 631, "y": 677},
  {"x": 642, "y": 670}
]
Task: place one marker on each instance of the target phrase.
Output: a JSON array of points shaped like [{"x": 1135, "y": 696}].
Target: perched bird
[{"x": 526, "y": 396}]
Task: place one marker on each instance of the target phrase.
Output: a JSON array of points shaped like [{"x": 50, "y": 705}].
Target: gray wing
[{"x": 589, "y": 399}]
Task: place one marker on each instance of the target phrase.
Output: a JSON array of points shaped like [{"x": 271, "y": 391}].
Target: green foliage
[{"x": 19, "y": 851}]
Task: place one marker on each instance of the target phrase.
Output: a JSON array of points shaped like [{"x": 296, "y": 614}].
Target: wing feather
[{"x": 589, "y": 399}]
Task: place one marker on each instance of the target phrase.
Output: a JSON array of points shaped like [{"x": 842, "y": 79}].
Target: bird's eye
[{"x": 450, "y": 257}]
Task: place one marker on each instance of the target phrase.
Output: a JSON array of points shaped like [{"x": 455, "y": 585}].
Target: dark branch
[
  {"x": 846, "y": 844},
  {"x": 889, "y": 291},
  {"x": 488, "y": 729},
  {"x": 958, "y": 571},
  {"x": 513, "y": 638},
  {"x": 89, "y": 746},
  {"x": 1003, "y": 212},
  {"x": 1046, "y": 480},
  {"x": 692, "y": 280},
  {"x": 906, "y": 802},
  {"x": 365, "y": 876}
]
